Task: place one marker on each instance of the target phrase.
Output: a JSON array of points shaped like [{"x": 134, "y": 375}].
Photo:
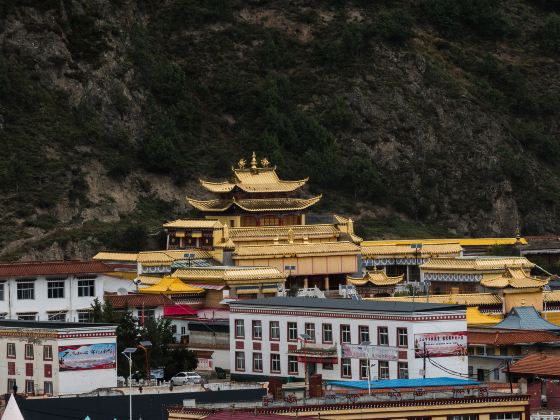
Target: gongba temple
[{"x": 254, "y": 196}]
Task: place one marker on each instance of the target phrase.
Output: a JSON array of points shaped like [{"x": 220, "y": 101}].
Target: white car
[{"x": 183, "y": 378}]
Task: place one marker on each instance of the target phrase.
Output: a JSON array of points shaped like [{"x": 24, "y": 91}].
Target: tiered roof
[
  {"x": 194, "y": 224},
  {"x": 230, "y": 275},
  {"x": 468, "y": 299},
  {"x": 375, "y": 277},
  {"x": 253, "y": 180},
  {"x": 282, "y": 233},
  {"x": 168, "y": 257},
  {"x": 516, "y": 278}
]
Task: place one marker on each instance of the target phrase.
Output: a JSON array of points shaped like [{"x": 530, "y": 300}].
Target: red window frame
[
  {"x": 255, "y": 369},
  {"x": 11, "y": 369},
  {"x": 379, "y": 370},
  {"x": 350, "y": 332},
  {"x": 288, "y": 331},
  {"x": 44, "y": 353},
  {"x": 279, "y": 362},
  {"x": 323, "y": 334},
  {"x": 8, "y": 353},
  {"x": 244, "y": 362},
  {"x": 362, "y": 363},
  {"x": 253, "y": 324},
  {"x": 360, "y": 333},
  {"x": 379, "y": 336},
  {"x": 48, "y": 370},
  {"x": 290, "y": 371},
  {"x": 399, "y": 330},
  {"x": 235, "y": 328},
  {"x": 32, "y": 351},
  {"x": 270, "y": 330},
  {"x": 342, "y": 375},
  {"x": 314, "y": 331}
]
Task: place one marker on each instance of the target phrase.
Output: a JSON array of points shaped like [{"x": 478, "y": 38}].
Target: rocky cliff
[{"x": 431, "y": 117}]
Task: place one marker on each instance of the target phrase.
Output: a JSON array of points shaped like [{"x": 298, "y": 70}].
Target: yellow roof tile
[
  {"x": 376, "y": 277},
  {"x": 254, "y": 204},
  {"x": 230, "y": 274},
  {"x": 477, "y": 264},
  {"x": 469, "y": 299},
  {"x": 475, "y": 317},
  {"x": 167, "y": 257},
  {"x": 149, "y": 280},
  {"x": 299, "y": 249},
  {"x": 194, "y": 223},
  {"x": 427, "y": 250},
  {"x": 115, "y": 256},
  {"x": 512, "y": 277},
  {"x": 171, "y": 285},
  {"x": 281, "y": 232},
  {"x": 552, "y": 296},
  {"x": 465, "y": 242}
]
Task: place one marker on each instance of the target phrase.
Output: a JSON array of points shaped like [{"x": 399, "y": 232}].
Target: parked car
[{"x": 183, "y": 378}]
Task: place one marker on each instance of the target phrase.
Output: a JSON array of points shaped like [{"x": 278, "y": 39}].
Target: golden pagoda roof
[
  {"x": 115, "y": 256},
  {"x": 552, "y": 296},
  {"x": 254, "y": 179},
  {"x": 512, "y": 277},
  {"x": 230, "y": 274},
  {"x": 296, "y": 250},
  {"x": 194, "y": 223},
  {"x": 239, "y": 234},
  {"x": 149, "y": 280},
  {"x": 167, "y": 257},
  {"x": 254, "y": 204},
  {"x": 476, "y": 264},
  {"x": 468, "y": 299},
  {"x": 427, "y": 250},
  {"x": 171, "y": 285},
  {"x": 376, "y": 277}
]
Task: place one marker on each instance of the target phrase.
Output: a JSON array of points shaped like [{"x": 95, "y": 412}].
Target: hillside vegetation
[{"x": 428, "y": 117}]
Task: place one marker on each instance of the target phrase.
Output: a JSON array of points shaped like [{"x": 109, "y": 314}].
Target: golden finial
[
  {"x": 254, "y": 161},
  {"x": 265, "y": 163},
  {"x": 291, "y": 236},
  {"x": 241, "y": 163}
]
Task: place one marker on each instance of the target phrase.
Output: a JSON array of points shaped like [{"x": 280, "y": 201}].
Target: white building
[
  {"x": 55, "y": 290},
  {"x": 55, "y": 358},
  {"x": 266, "y": 338}
]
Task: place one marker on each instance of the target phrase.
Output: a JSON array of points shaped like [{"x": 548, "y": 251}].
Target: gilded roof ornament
[
  {"x": 265, "y": 163},
  {"x": 291, "y": 236},
  {"x": 254, "y": 161},
  {"x": 241, "y": 163}
]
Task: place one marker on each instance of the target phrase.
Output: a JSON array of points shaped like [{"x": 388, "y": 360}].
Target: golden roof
[
  {"x": 376, "y": 277},
  {"x": 167, "y": 257},
  {"x": 230, "y": 274},
  {"x": 194, "y": 223},
  {"x": 475, "y": 317},
  {"x": 115, "y": 256},
  {"x": 281, "y": 232},
  {"x": 469, "y": 299},
  {"x": 254, "y": 179},
  {"x": 171, "y": 285},
  {"x": 512, "y": 277},
  {"x": 552, "y": 296},
  {"x": 427, "y": 250},
  {"x": 463, "y": 242},
  {"x": 149, "y": 280},
  {"x": 296, "y": 250},
  {"x": 476, "y": 264},
  {"x": 254, "y": 204}
]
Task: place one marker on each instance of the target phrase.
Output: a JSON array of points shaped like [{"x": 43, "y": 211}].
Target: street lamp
[
  {"x": 145, "y": 345},
  {"x": 367, "y": 344},
  {"x": 304, "y": 338},
  {"x": 127, "y": 353}
]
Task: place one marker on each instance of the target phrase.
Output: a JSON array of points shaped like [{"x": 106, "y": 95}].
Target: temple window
[
  {"x": 248, "y": 221},
  {"x": 290, "y": 219},
  {"x": 270, "y": 220}
]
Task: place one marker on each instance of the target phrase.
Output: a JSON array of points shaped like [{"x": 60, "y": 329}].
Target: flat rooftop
[
  {"x": 50, "y": 325},
  {"x": 348, "y": 304}
]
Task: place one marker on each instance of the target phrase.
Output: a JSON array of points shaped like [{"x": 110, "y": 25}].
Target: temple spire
[{"x": 254, "y": 161}]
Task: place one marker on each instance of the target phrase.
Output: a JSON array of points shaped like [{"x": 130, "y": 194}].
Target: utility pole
[
  {"x": 509, "y": 378},
  {"x": 424, "y": 357}
]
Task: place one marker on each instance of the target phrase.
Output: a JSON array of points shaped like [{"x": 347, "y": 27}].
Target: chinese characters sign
[
  {"x": 87, "y": 356},
  {"x": 445, "y": 344}
]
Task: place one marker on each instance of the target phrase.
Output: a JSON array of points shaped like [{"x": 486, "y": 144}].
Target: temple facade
[{"x": 254, "y": 196}]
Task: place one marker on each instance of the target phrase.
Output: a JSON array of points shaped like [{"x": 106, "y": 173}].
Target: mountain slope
[{"x": 436, "y": 112}]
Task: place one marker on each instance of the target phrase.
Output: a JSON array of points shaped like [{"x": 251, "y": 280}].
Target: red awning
[
  {"x": 175, "y": 310},
  {"x": 316, "y": 359}
]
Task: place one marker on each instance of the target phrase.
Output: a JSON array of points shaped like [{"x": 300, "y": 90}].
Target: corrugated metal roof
[
  {"x": 526, "y": 318},
  {"x": 538, "y": 364},
  {"x": 300, "y": 249},
  {"x": 48, "y": 268},
  {"x": 406, "y": 383},
  {"x": 504, "y": 338},
  {"x": 115, "y": 256}
]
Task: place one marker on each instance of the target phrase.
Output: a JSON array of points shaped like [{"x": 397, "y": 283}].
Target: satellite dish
[{"x": 122, "y": 291}]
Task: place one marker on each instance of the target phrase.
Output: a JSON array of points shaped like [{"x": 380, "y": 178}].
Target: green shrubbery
[{"x": 549, "y": 34}]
